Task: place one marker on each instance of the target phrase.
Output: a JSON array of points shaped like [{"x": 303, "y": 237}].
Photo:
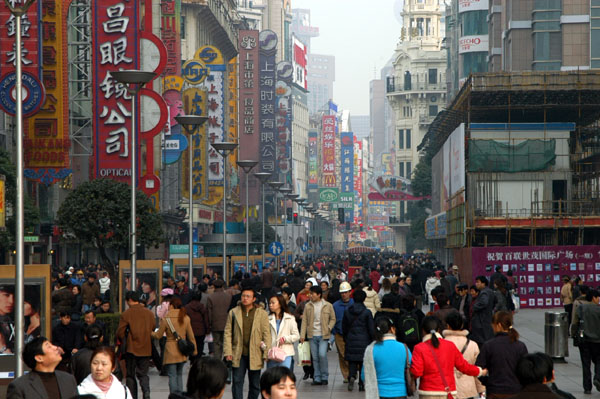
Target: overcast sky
[{"x": 362, "y": 35}]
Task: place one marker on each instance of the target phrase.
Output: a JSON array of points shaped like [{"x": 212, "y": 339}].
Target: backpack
[{"x": 409, "y": 328}]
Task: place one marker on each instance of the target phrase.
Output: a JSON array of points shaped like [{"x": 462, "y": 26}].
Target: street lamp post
[
  {"x": 224, "y": 149},
  {"x": 133, "y": 80},
  {"x": 285, "y": 191},
  {"x": 276, "y": 186},
  {"x": 190, "y": 123},
  {"x": 247, "y": 166},
  {"x": 18, "y": 10},
  {"x": 263, "y": 177},
  {"x": 293, "y": 198}
]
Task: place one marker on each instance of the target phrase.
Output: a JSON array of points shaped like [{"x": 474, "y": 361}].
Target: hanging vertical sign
[
  {"x": 283, "y": 119},
  {"x": 328, "y": 138},
  {"x": 46, "y": 133},
  {"x": 313, "y": 161},
  {"x": 249, "y": 94},
  {"x": 170, "y": 34},
  {"x": 268, "y": 50},
  {"x": 232, "y": 130},
  {"x": 194, "y": 100},
  {"x": 358, "y": 183},
  {"x": 115, "y": 47},
  {"x": 31, "y": 57},
  {"x": 347, "y": 162}
]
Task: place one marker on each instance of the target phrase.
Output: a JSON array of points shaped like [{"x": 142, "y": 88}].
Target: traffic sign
[
  {"x": 32, "y": 238},
  {"x": 304, "y": 247},
  {"x": 275, "y": 248}
]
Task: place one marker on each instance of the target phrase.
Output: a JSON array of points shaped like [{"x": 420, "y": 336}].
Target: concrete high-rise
[{"x": 361, "y": 125}]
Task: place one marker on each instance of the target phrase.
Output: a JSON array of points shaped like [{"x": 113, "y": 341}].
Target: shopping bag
[
  {"x": 208, "y": 339},
  {"x": 304, "y": 354}
]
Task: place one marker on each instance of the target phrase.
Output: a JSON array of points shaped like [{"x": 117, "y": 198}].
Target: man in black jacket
[
  {"x": 44, "y": 381},
  {"x": 589, "y": 345},
  {"x": 482, "y": 311},
  {"x": 68, "y": 337}
]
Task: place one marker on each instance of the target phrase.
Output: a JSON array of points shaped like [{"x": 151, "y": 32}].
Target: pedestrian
[
  {"x": 359, "y": 331},
  {"x": 444, "y": 308},
  {"x": 386, "y": 288},
  {"x": 481, "y": 312},
  {"x": 75, "y": 311},
  {"x": 372, "y": 301},
  {"x": 104, "y": 282},
  {"x": 80, "y": 361},
  {"x": 198, "y": 315},
  {"x": 267, "y": 282},
  {"x": 284, "y": 330},
  {"x": 434, "y": 360},
  {"x": 62, "y": 298},
  {"x": 135, "y": 328},
  {"x": 44, "y": 381},
  {"x": 500, "y": 356},
  {"x": 410, "y": 318},
  {"x": 218, "y": 304},
  {"x": 317, "y": 323},
  {"x": 382, "y": 362},
  {"x": 466, "y": 385},
  {"x": 433, "y": 281},
  {"x": 566, "y": 297},
  {"x": 339, "y": 308},
  {"x": 206, "y": 380},
  {"x": 247, "y": 340},
  {"x": 101, "y": 382},
  {"x": 278, "y": 383},
  {"x": 304, "y": 294},
  {"x": 178, "y": 320},
  {"x": 589, "y": 342},
  {"x": 535, "y": 371},
  {"x": 67, "y": 335},
  {"x": 89, "y": 290}
]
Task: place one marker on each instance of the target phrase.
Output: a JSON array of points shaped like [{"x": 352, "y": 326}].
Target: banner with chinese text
[
  {"x": 328, "y": 152},
  {"x": 268, "y": 50}
]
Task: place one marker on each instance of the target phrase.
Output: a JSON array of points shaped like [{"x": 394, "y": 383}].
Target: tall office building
[
  {"x": 321, "y": 75},
  {"x": 378, "y": 135}
]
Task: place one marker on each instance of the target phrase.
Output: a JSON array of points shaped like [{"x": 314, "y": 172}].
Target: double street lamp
[
  {"x": 190, "y": 123},
  {"x": 247, "y": 166},
  {"x": 133, "y": 80},
  {"x": 263, "y": 177},
  {"x": 224, "y": 149}
]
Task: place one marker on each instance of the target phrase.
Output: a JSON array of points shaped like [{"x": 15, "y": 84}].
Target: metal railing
[{"x": 544, "y": 209}]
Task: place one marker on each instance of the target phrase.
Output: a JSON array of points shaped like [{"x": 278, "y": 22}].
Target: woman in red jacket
[{"x": 434, "y": 360}]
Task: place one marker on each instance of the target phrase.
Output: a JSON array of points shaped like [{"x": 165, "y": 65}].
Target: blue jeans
[
  {"x": 175, "y": 373},
  {"x": 239, "y": 373},
  {"x": 286, "y": 363},
  {"x": 318, "y": 350}
]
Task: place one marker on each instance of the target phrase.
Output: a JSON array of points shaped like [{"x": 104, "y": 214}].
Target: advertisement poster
[
  {"x": 34, "y": 314},
  {"x": 538, "y": 270},
  {"x": 313, "y": 161},
  {"x": 146, "y": 282}
]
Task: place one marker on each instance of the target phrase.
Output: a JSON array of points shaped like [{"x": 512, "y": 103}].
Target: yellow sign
[{"x": 194, "y": 103}]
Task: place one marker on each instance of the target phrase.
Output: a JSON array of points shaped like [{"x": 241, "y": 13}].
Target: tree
[
  {"x": 256, "y": 234},
  {"x": 32, "y": 215},
  {"x": 417, "y": 214},
  {"x": 98, "y": 213}
]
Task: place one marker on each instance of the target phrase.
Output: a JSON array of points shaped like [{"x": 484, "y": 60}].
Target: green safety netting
[{"x": 527, "y": 156}]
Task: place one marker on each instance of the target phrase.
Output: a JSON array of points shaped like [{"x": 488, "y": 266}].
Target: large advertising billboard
[
  {"x": 300, "y": 63},
  {"x": 472, "y": 44},
  {"x": 313, "y": 160},
  {"x": 472, "y": 5}
]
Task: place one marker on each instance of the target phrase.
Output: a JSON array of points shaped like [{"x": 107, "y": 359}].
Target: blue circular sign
[
  {"x": 275, "y": 248},
  {"x": 304, "y": 247},
  {"x": 33, "y": 96}
]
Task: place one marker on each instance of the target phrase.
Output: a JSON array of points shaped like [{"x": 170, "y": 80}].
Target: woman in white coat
[
  {"x": 101, "y": 382},
  {"x": 284, "y": 330}
]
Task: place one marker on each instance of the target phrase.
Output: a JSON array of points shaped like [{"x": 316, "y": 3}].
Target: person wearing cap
[
  {"x": 89, "y": 290},
  {"x": 218, "y": 305},
  {"x": 340, "y": 307},
  {"x": 80, "y": 361},
  {"x": 182, "y": 291},
  {"x": 7, "y": 304},
  {"x": 163, "y": 308},
  {"x": 78, "y": 278}
]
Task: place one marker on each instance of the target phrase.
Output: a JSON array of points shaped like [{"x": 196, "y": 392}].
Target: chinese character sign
[
  {"x": 358, "y": 181},
  {"x": 194, "y": 100},
  {"x": 283, "y": 119},
  {"x": 170, "y": 34},
  {"x": 268, "y": 150},
  {"x": 231, "y": 129},
  {"x": 248, "y": 118},
  {"x": 347, "y": 162},
  {"x": 115, "y": 47},
  {"x": 313, "y": 161},
  {"x": 538, "y": 270},
  {"x": 328, "y": 140},
  {"x": 47, "y": 142}
]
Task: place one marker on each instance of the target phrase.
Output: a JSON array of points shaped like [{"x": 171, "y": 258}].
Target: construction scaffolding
[{"x": 570, "y": 218}]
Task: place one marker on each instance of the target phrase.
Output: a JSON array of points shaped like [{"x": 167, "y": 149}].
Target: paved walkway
[{"x": 529, "y": 323}]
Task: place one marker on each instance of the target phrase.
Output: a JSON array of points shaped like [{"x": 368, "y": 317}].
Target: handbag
[
  {"x": 276, "y": 354},
  {"x": 185, "y": 347},
  {"x": 304, "y": 354},
  {"x": 439, "y": 366},
  {"x": 411, "y": 384}
]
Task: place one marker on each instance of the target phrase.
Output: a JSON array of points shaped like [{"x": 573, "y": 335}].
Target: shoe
[
  {"x": 361, "y": 387},
  {"x": 597, "y": 384},
  {"x": 587, "y": 392},
  {"x": 329, "y": 346},
  {"x": 306, "y": 376},
  {"x": 316, "y": 383},
  {"x": 351, "y": 384},
  {"x": 345, "y": 380},
  {"x": 324, "y": 382}
]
